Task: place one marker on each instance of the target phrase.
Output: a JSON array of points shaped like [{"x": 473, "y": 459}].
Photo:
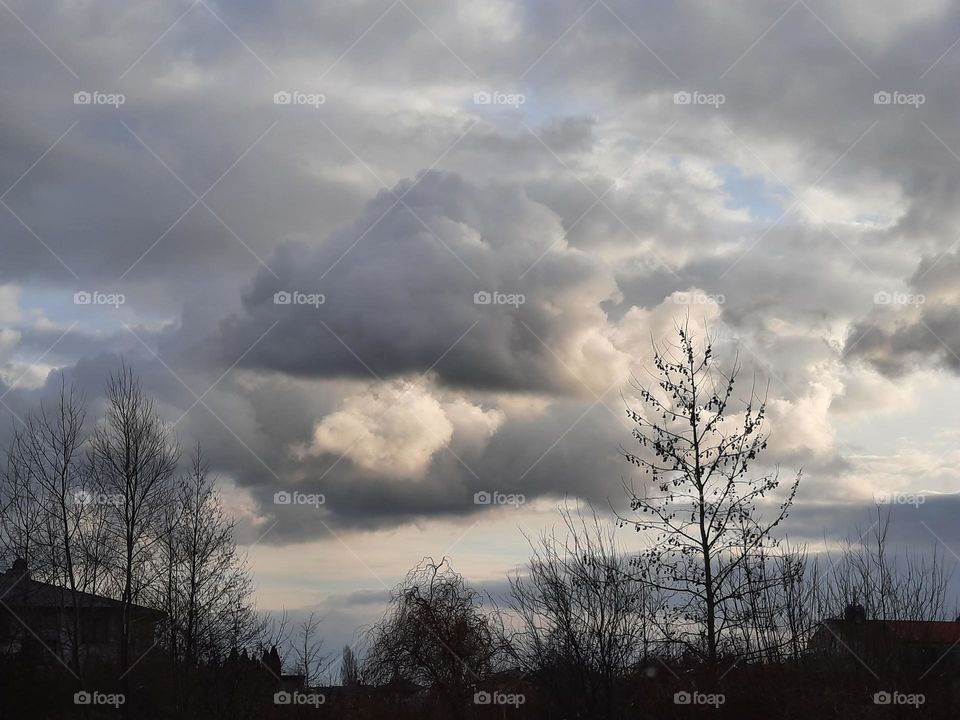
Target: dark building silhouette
[
  {"x": 921, "y": 642},
  {"x": 37, "y": 622}
]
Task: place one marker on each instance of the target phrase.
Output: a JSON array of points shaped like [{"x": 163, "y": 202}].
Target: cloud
[
  {"x": 602, "y": 201},
  {"x": 801, "y": 427},
  {"x": 395, "y": 428},
  {"x": 474, "y": 284},
  {"x": 916, "y": 329}
]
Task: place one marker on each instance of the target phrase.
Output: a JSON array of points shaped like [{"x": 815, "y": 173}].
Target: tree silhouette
[
  {"x": 700, "y": 501},
  {"x": 434, "y": 633}
]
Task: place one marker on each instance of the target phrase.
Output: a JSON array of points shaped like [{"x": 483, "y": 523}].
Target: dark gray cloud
[
  {"x": 500, "y": 199},
  {"x": 401, "y": 288},
  {"x": 917, "y": 328}
]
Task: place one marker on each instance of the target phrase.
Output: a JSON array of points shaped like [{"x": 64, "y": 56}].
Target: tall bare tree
[
  {"x": 699, "y": 499},
  {"x": 204, "y": 573},
  {"x": 132, "y": 461},
  {"x": 47, "y": 449},
  {"x": 308, "y": 649},
  {"x": 21, "y": 515}
]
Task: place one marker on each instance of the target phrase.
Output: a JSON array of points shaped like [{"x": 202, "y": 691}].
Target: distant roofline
[
  {"x": 911, "y": 632},
  {"x": 20, "y": 585}
]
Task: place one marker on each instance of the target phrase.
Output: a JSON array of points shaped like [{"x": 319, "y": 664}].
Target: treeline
[
  {"x": 100, "y": 508},
  {"x": 717, "y": 614},
  {"x": 580, "y": 634}
]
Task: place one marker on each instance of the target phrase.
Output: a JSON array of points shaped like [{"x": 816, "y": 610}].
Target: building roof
[
  {"x": 921, "y": 632},
  {"x": 19, "y": 591}
]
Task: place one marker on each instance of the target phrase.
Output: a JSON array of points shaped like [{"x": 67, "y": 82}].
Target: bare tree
[
  {"x": 701, "y": 504},
  {"x": 47, "y": 450},
  {"x": 889, "y": 585},
  {"x": 132, "y": 461},
  {"x": 21, "y": 515},
  {"x": 97, "y": 550},
  {"x": 309, "y": 648},
  {"x": 578, "y": 617},
  {"x": 204, "y": 573},
  {"x": 434, "y": 633},
  {"x": 776, "y": 612}
]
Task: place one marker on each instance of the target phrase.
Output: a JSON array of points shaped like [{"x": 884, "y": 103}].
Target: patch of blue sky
[
  {"x": 764, "y": 202},
  {"x": 93, "y": 310}
]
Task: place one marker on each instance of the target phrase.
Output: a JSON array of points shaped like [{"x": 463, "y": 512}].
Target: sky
[{"x": 384, "y": 256}]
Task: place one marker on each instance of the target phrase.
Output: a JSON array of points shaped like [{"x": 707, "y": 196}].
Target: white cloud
[
  {"x": 801, "y": 427},
  {"x": 398, "y": 426}
]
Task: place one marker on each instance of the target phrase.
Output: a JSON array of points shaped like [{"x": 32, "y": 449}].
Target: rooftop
[
  {"x": 19, "y": 590},
  {"x": 905, "y": 631}
]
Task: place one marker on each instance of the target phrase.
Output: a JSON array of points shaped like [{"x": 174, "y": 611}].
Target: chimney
[
  {"x": 19, "y": 569},
  {"x": 854, "y": 612}
]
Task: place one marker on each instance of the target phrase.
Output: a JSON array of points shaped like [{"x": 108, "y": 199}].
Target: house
[
  {"x": 37, "y": 621},
  {"x": 904, "y": 641}
]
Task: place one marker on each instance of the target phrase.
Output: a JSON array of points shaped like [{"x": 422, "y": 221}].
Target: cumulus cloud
[
  {"x": 801, "y": 427},
  {"x": 395, "y": 428},
  {"x": 437, "y": 280}
]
